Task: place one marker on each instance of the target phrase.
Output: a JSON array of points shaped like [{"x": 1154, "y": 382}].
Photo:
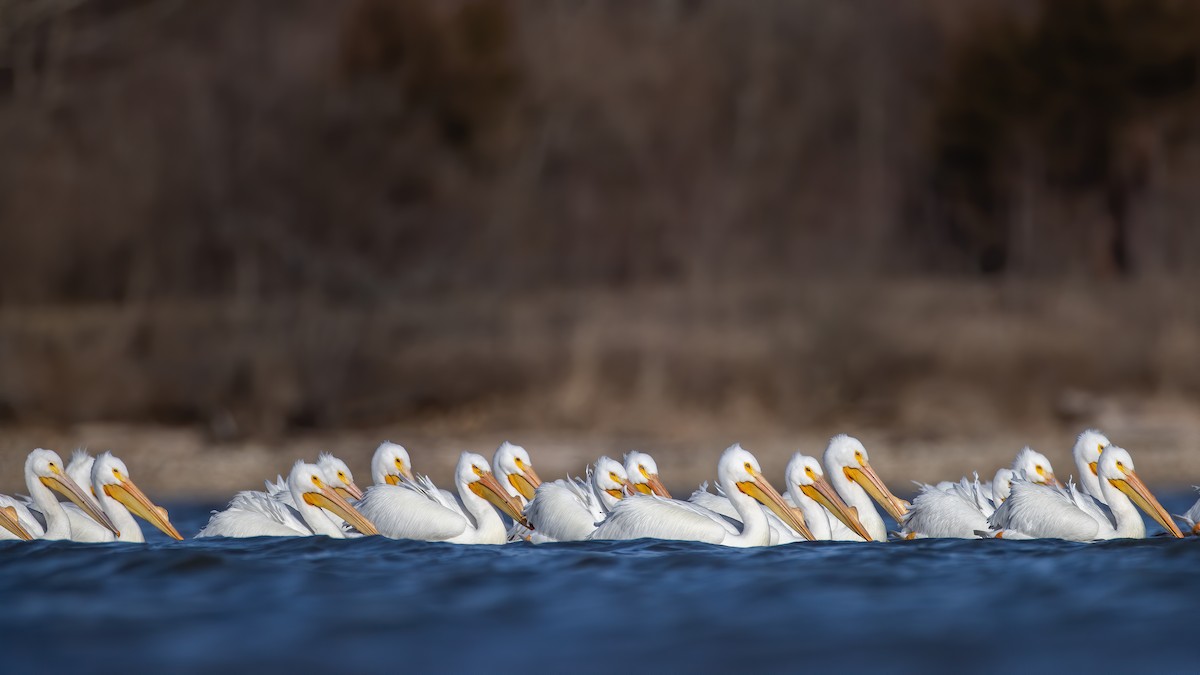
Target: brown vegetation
[{"x": 677, "y": 222}]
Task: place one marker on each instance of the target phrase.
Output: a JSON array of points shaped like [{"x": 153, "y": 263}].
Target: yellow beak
[
  {"x": 64, "y": 485},
  {"x": 526, "y": 484},
  {"x": 760, "y": 488},
  {"x": 823, "y": 493},
  {"x": 490, "y": 489},
  {"x": 350, "y": 491},
  {"x": 1137, "y": 491},
  {"x": 10, "y": 522},
  {"x": 331, "y": 501},
  {"x": 128, "y": 494},
  {"x": 866, "y": 477}
]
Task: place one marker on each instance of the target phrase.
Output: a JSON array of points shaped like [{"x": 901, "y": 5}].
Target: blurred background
[{"x": 237, "y": 232}]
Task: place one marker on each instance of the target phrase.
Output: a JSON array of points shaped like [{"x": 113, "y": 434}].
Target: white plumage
[
  {"x": 849, "y": 471},
  {"x": 118, "y": 495},
  {"x": 415, "y": 510},
  {"x": 316, "y": 508},
  {"x": 570, "y": 509},
  {"x": 739, "y": 474},
  {"x": 1041, "y": 511},
  {"x": 42, "y": 516}
]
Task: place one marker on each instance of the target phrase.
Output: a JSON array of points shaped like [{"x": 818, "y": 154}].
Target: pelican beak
[
  {"x": 64, "y": 485},
  {"x": 1136, "y": 490},
  {"x": 136, "y": 501},
  {"x": 656, "y": 486},
  {"x": 1052, "y": 480},
  {"x": 10, "y": 522},
  {"x": 761, "y": 489},
  {"x": 1092, "y": 466},
  {"x": 490, "y": 489},
  {"x": 350, "y": 491},
  {"x": 866, "y": 477},
  {"x": 823, "y": 493},
  {"x": 392, "y": 479},
  {"x": 329, "y": 499},
  {"x": 526, "y": 483}
]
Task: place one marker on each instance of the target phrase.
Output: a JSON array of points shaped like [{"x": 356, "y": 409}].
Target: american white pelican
[
  {"x": 1033, "y": 466},
  {"x": 515, "y": 471},
  {"x": 79, "y": 468},
  {"x": 643, "y": 473},
  {"x": 118, "y": 495},
  {"x": 848, "y": 469},
  {"x": 1086, "y": 453},
  {"x": 318, "y": 510},
  {"x": 47, "y": 519},
  {"x": 340, "y": 479},
  {"x": 569, "y": 509},
  {"x": 1047, "y": 512},
  {"x": 390, "y": 463},
  {"x": 953, "y": 513},
  {"x": 739, "y": 474},
  {"x": 420, "y": 511},
  {"x": 818, "y": 501},
  {"x": 1192, "y": 518},
  {"x": 998, "y": 489}
]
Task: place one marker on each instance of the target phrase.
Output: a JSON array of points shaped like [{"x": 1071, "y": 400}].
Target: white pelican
[
  {"x": 318, "y": 510},
  {"x": 568, "y": 510},
  {"x": 47, "y": 519},
  {"x": 1035, "y": 511},
  {"x": 818, "y": 501},
  {"x": 515, "y": 471},
  {"x": 1192, "y": 518},
  {"x": 390, "y": 463},
  {"x": 961, "y": 510},
  {"x": 643, "y": 473},
  {"x": 848, "y": 469},
  {"x": 955, "y": 513},
  {"x": 1086, "y": 453},
  {"x": 1033, "y": 466},
  {"x": 421, "y": 511},
  {"x": 739, "y": 475},
  {"x": 118, "y": 495},
  {"x": 79, "y": 468},
  {"x": 340, "y": 479}
]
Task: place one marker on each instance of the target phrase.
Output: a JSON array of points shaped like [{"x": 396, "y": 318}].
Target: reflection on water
[{"x": 380, "y": 605}]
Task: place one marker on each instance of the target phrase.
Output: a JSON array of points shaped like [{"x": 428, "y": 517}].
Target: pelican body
[
  {"x": 739, "y": 475},
  {"x": 1039, "y": 511},
  {"x": 315, "y": 508},
  {"x": 418, "y": 510},
  {"x": 569, "y": 510}
]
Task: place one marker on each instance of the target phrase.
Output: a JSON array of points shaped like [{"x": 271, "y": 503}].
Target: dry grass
[{"x": 939, "y": 378}]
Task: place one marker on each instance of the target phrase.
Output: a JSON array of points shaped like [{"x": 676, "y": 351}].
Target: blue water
[{"x": 377, "y": 605}]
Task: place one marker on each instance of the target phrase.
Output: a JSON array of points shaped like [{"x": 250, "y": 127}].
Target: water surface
[{"x": 377, "y": 605}]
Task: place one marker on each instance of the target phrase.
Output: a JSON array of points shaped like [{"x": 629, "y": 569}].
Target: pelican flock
[{"x": 836, "y": 498}]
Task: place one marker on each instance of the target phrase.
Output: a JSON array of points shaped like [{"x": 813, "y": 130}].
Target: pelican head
[
  {"x": 339, "y": 474},
  {"x": 390, "y": 463},
  {"x": 610, "y": 478},
  {"x": 1034, "y": 467},
  {"x": 1116, "y": 467},
  {"x": 512, "y": 462},
  {"x": 739, "y": 472},
  {"x": 47, "y": 467},
  {"x": 1086, "y": 452},
  {"x": 473, "y": 472},
  {"x": 848, "y": 453},
  {"x": 315, "y": 486},
  {"x": 806, "y": 474},
  {"x": 1002, "y": 485},
  {"x": 643, "y": 473},
  {"x": 110, "y": 476},
  {"x": 80, "y": 469}
]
